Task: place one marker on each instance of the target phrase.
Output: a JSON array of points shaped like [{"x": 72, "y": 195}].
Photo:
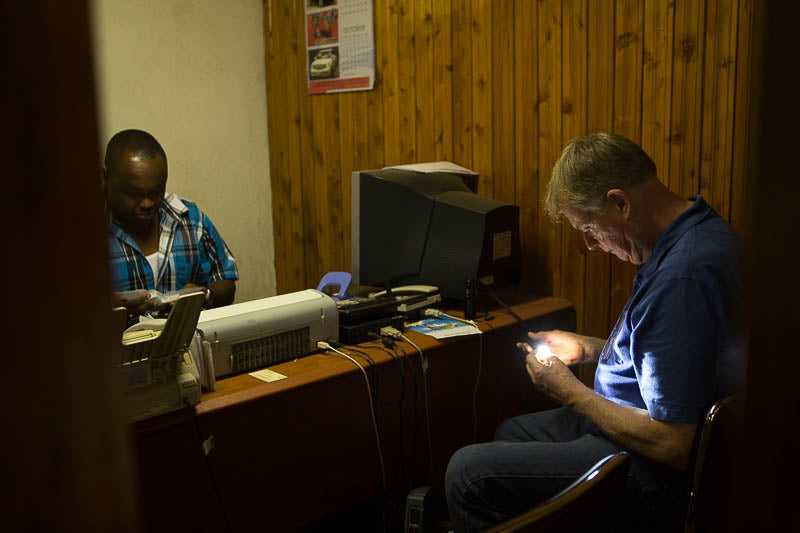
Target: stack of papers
[
  {"x": 443, "y": 328},
  {"x": 436, "y": 166}
]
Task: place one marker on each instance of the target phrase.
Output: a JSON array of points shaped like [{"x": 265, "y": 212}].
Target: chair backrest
[
  {"x": 712, "y": 450},
  {"x": 580, "y": 504}
]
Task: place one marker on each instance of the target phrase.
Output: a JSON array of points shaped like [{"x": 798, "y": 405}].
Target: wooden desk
[{"x": 289, "y": 452}]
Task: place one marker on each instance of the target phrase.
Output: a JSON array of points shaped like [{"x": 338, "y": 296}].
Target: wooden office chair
[
  {"x": 713, "y": 449},
  {"x": 580, "y": 504}
]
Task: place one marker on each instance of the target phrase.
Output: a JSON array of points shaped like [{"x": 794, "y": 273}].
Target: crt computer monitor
[{"x": 431, "y": 229}]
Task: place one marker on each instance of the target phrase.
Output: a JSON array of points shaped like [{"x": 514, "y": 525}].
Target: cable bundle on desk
[
  {"x": 398, "y": 353},
  {"x": 395, "y": 334},
  {"x": 326, "y": 346}
]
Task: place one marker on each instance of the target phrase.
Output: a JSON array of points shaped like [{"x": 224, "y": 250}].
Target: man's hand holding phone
[
  {"x": 547, "y": 356},
  {"x": 541, "y": 352}
]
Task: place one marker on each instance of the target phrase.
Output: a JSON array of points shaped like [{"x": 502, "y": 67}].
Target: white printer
[
  {"x": 165, "y": 363},
  {"x": 250, "y": 335}
]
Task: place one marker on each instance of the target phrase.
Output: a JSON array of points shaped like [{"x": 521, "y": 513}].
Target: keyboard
[{"x": 355, "y": 310}]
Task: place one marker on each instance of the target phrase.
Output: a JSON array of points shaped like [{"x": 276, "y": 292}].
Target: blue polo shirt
[{"x": 676, "y": 347}]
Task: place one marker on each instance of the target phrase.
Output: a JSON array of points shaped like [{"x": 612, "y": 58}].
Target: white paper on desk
[
  {"x": 267, "y": 375},
  {"x": 443, "y": 328},
  {"x": 436, "y": 166}
]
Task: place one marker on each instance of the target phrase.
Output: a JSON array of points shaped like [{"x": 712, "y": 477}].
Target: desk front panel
[
  {"x": 292, "y": 451},
  {"x": 289, "y": 452}
]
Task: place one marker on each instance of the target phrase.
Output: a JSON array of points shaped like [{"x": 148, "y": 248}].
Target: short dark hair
[
  {"x": 592, "y": 165},
  {"x": 135, "y": 142}
]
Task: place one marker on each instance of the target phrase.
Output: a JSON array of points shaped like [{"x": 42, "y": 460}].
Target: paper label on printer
[{"x": 501, "y": 246}]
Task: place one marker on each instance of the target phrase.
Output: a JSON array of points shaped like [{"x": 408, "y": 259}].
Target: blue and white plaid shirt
[{"x": 190, "y": 250}]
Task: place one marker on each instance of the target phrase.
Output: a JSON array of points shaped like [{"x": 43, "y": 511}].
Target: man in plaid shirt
[{"x": 157, "y": 240}]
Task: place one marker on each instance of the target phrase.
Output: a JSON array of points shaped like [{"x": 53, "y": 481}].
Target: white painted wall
[{"x": 192, "y": 73}]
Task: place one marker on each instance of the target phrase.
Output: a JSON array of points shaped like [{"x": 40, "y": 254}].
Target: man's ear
[
  {"x": 103, "y": 178},
  {"x": 620, "y": 201}
]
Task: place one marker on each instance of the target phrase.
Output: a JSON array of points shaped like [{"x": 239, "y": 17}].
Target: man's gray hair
[{"x": 592, "y": 165}]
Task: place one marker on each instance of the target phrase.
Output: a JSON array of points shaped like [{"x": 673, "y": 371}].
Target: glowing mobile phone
[{"x": 542, "y": 352}]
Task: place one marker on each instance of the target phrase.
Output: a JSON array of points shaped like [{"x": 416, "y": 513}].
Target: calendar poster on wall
[{"x": 340, "y": 46}]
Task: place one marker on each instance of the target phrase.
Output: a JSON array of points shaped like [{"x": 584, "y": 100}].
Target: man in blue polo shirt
[
  {"x": 158, "y": 241},
  {"x": 672, "y": 353}
]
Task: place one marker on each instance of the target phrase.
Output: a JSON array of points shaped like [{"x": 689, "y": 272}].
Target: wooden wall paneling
[
  {"x": 424, "y": 109},
  {"x": 279, "y": 156},
  {"x": 718, "y": 104},
  {"x": 687, "y": 89},
  {"x": 659, "y": 21},
  {"x": 296, "y": 95},
  {"x": 493, "y": 86},
  {"x": 390, "y": 51},
  {"x": 526, "y": 136},
  {"x": 287, "y": 212},
  {"x": 573, "y": 124},
  {"x": 482, "y": 134},
  {"x": 462, "y": 82},
  {"x": 334, "y": 196},
  {"x": 503, "y": 117},
  {"x": 317, "y": 194},
  {"x": 354, "y": 111},
  {"x": 628, "y": 38},
  {"x": 348, "y": 148},
  {"x": 443, "y": 120},
  {"x": 376, "y": 141},
  {"x": 599, "y": 116},
  {"x": 310, "y": 154},
  {"x": 548, "y": 272},
  {"x": 406, "y": 54},
  {"x": 354, "y": 154},
  {"x": 740, "y": 178},
  {"x": 297, "y": 103}
]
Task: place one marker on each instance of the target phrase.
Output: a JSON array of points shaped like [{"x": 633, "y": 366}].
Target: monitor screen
[{"x": 433, "y": 229}]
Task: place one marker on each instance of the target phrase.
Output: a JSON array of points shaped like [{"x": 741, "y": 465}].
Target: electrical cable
[
  {"x": 439, "y": 314},
  {"x": 401, "y": 403},
  {"x": 361, "y": 353},
  {"x": 211, "y": 472},
  {"x": 325, "y": 346},
  {"x": 376, "y": 397},
  {"x": 373, "y": 374},
  {"x": 500, "y": 302},
  {"x": 402, "y": 355},
  {"x": 424, "y": 364},
  {"x": 485, "y": 321},
  {"x": 475, "y": 391}
]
